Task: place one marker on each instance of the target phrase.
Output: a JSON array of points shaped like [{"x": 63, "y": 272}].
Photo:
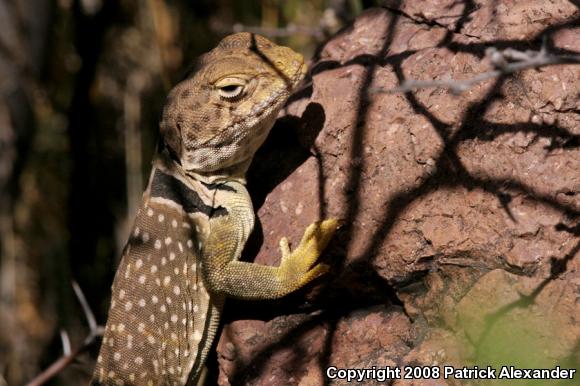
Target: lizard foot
[{"x": 297, "y": 267}]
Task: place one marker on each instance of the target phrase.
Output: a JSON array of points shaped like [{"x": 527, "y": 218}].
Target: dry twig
[
  {"x": 69, "y": 356},
  {"x": 505, "y": 62}
]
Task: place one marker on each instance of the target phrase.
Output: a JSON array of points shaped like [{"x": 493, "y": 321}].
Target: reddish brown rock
[{"x": 461, "y": 210}]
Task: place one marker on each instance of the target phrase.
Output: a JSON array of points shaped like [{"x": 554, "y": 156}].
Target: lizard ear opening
[
  {"x": 171, "y": 136},
  {"x": 172, "y": 154}
]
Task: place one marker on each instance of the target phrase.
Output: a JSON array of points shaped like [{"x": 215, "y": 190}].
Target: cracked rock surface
[{"x": 461, "y": 239}]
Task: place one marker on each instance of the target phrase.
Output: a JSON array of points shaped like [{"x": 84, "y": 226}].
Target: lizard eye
[
  {"x": 231, "y": 89},
  {"x": 230, "y": 92}
]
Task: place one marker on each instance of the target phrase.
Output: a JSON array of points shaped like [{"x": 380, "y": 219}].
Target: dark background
[{"x": 82, "y": 85}]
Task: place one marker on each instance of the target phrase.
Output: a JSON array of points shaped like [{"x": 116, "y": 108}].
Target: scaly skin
[{"x": 182, "y": 259}]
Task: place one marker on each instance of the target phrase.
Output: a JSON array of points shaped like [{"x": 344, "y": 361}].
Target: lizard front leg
[{"x": 224, "y": 274}]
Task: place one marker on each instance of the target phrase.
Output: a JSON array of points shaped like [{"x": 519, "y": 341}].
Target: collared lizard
[{"x": 181, "y": 259}]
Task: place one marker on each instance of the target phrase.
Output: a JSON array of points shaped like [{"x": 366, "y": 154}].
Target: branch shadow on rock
[{"x": 449, "y": 172}]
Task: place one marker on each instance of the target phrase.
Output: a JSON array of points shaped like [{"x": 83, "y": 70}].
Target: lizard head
[{"x": 215, "y": 119}]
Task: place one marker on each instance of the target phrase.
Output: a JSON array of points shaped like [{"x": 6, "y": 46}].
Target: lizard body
[{"x": 182, "y": 258}]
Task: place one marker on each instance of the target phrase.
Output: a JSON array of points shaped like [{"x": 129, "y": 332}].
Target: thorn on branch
[{"x": 65, "y": 340}]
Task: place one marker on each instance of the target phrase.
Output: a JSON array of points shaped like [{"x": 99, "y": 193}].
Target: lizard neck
[
  {"x": 233, "y": 173},
  {"x": 196, "y": 195}
]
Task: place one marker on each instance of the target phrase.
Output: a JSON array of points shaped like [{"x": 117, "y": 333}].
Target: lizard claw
[
  {"x": 284, "y": 248},
  {"x": 298, "y": 267}
]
